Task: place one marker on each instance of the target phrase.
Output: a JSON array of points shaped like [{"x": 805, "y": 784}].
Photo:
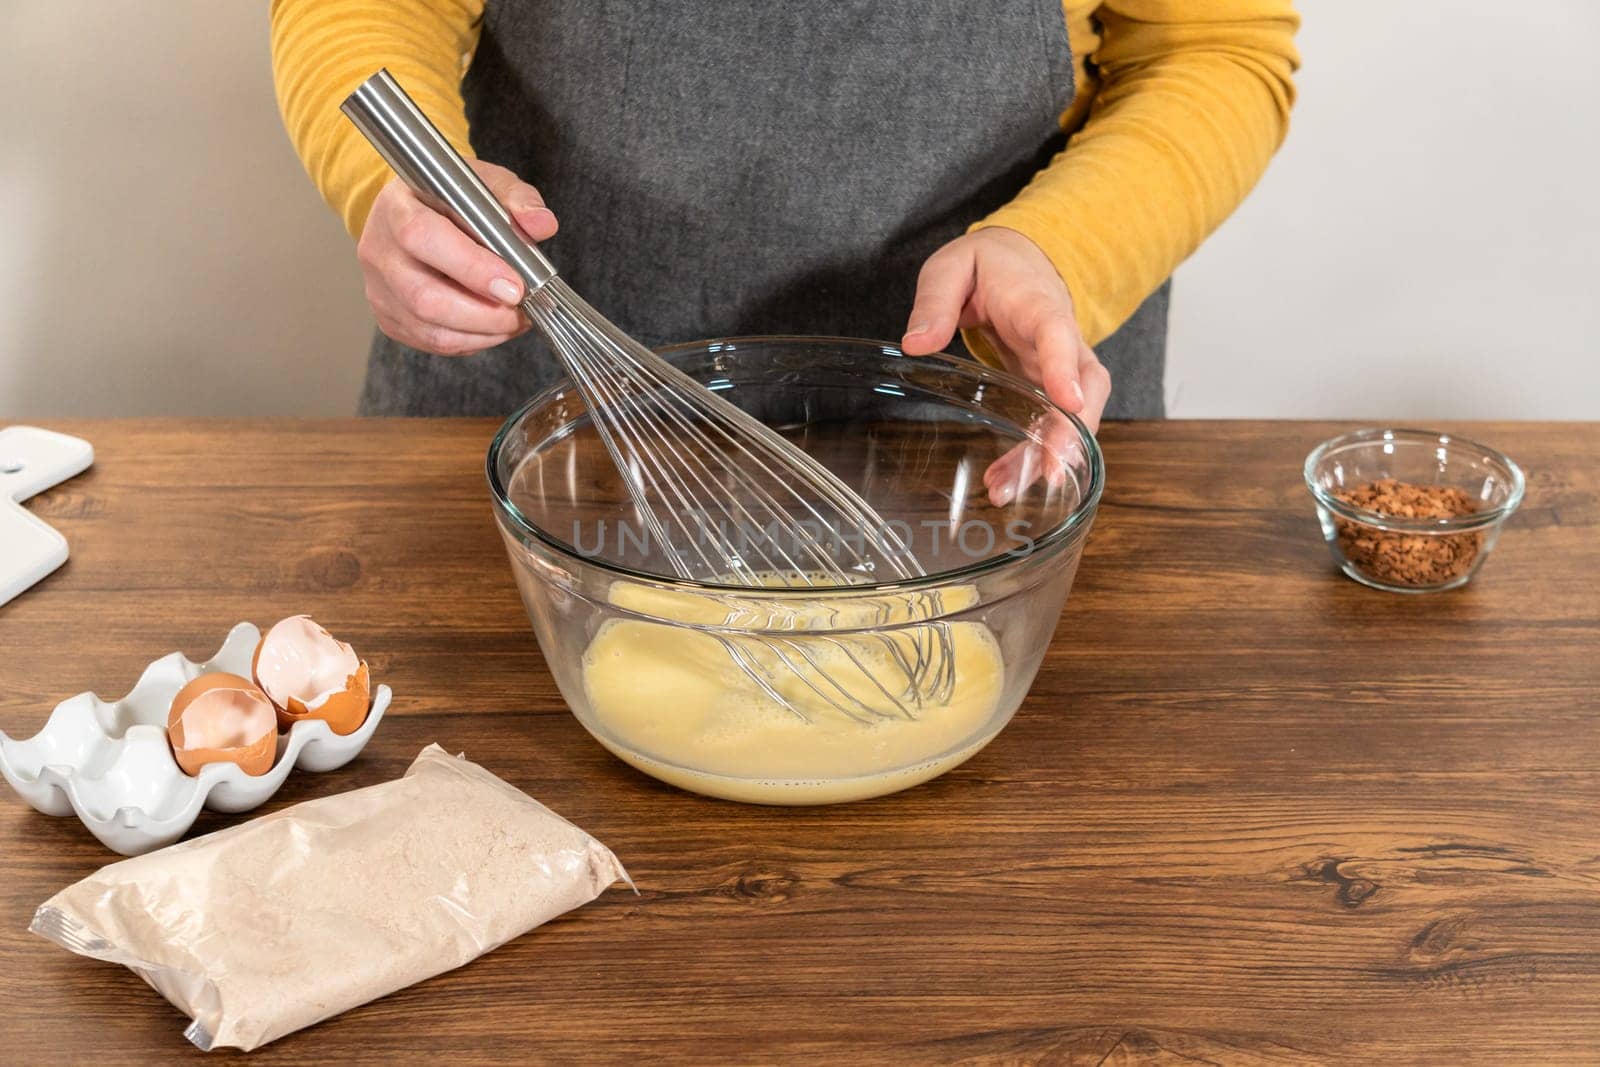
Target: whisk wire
[
  {"x": 707, "y": 465},
  {"x": 681, "y": 400},
  {"x": 629, "y": 409}
]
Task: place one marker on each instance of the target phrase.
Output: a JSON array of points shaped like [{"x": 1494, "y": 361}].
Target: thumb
[
  {"x": 943, "y": 287},
  {"x": 521, "y": 199}
]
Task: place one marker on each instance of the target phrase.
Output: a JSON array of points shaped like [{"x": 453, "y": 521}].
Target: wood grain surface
[{"x": 1251, "y": 812}]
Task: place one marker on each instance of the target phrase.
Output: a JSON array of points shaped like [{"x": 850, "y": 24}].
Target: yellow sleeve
[
  {"x": 323, "y": 49},
  {"x": 1190, "y": 102}
]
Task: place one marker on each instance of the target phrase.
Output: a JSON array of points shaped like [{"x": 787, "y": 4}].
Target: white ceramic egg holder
[
  {"x": 111, "y": 764},
  {"x": 31, "y": 461}
]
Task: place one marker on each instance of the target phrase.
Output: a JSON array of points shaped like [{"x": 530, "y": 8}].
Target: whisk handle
[{"x": 435, "y": 171}]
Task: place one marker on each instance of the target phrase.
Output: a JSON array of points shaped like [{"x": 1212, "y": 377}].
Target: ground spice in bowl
[{"x": 1406, "y": 558}]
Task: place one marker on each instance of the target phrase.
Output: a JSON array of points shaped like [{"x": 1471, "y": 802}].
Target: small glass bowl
[{"x": 1411, "y": 555}]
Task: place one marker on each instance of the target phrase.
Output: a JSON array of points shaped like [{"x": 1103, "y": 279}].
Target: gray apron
[{"x": 757, "y": 167}]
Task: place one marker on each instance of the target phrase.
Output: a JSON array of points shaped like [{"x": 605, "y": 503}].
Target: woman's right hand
[{"x": 434, "y": 288}]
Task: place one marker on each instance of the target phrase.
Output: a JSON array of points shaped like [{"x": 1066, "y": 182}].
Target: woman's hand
[
  {"x": 434, "y": 288},
  {"x": 1000, "y": 283}
]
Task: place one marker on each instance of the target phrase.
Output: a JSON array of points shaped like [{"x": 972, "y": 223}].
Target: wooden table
[{"x": 1251, "y": 813}]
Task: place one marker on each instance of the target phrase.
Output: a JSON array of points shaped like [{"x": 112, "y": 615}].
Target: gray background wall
[
  {"x": 1424, "y": 247},
  {"x": 161, "y": 251},
  {"x": 1427, "y": 244}
]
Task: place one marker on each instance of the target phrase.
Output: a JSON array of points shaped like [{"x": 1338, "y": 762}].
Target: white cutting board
[{"x": 31, "y": 461}]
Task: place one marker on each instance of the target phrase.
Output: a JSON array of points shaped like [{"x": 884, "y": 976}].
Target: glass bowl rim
[
  {"x": 1477, "y": 520},
  {"x": 1047, "y": 543}
]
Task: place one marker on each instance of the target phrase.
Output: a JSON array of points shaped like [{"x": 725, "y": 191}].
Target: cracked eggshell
[
  {"x": 110, "y": 762},
  {"x": 222, "y": 718},
  {"x": 307, "y": 673}
]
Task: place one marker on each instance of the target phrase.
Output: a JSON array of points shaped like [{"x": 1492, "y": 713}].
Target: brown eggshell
[
  {"x": 344, "y": 711},
  {"x": 254, "y": 759}
]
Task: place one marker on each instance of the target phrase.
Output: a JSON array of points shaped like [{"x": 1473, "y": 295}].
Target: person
[{"x": 1026, "y": 172}]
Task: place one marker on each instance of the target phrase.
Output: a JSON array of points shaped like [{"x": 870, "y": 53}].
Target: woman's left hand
[{"x": 999, "y": 282}]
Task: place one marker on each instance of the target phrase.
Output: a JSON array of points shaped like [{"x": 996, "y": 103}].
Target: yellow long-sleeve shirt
[{"x": 1179, "y": 106}]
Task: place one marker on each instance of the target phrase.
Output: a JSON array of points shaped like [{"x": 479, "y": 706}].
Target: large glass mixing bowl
[{"x": 880, "y": 684}]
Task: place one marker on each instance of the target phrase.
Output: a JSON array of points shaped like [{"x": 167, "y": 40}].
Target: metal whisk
[{"x": 725, "y": 499}]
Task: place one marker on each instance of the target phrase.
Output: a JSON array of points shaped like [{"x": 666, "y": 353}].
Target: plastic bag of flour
[{"x": 289, "y": 919}]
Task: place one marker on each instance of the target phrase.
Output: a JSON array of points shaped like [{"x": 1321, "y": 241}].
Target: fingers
[
  {"x": 1074, "y": 378},
  {"x": 519, "y": 198},
  {"x": 1042, "y": 336},
  {"x": 1049, "y": 454},
  {"x": 1010, "y": 475},
  {"x": 1063, "y": 365},
  {"x": 397, "y": 320},
  {"x": 1060, "y": 446},
  {"x": 1058, "y": 349},
  {"x": 411, "y": 289},
  {"x": 1045, "y": 347},
  {"x": 432, "y": 240},
  {"x": 943, "y": 286},
  {"x": 1096, "y": 383}
]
